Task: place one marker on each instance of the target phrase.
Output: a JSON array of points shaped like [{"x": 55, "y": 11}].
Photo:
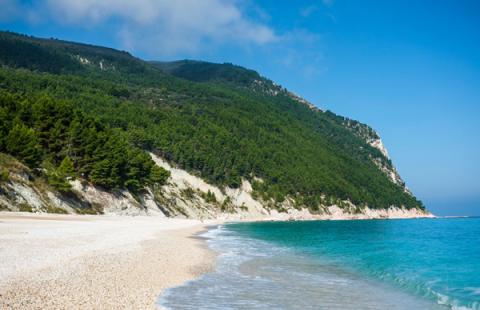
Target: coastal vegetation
[
  {"x": 53, "y": 135},
  {"x": 83, "y": 111}
]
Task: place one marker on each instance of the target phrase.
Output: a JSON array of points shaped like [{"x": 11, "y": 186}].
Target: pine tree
[
  {"x": 66, "y": 168},
  {"x": 60, "y": 177},
  {"x": 158, "y": 175},
  {"x": 4, "y": 126},
  {"x": 22, "y": 142}
]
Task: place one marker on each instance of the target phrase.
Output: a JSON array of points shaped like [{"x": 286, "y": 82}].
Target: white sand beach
[{"x": 95, "y": 262}]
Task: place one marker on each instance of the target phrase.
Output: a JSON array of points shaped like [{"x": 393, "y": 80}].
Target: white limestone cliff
[{"x": 184, "y": 196}]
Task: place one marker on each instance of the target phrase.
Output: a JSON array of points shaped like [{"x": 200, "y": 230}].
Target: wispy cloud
[
  {"x": 308, "y": 11},
  {"x": 328, "y": 2},
  {"x": 302, "y": 52},
  {"x": 161, "y": 27}
]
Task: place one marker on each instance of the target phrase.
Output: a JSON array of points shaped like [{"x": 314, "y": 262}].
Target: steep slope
[
  {"x": 223, "y": 123},
  {"x": 185, "y": 195},
  {"x": 240, "y": 77},
  {"x": 229, "y": 74}
]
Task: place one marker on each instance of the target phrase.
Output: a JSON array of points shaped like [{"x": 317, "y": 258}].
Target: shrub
[
  {"x": 53, "y": 209},
  {"x": 4, "y": 176},
  {"x": 23, "y": 207},
  {"x": 209, "y": 197}
]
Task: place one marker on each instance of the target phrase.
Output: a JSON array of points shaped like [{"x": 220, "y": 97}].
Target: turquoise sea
[{"x": 367, "y": 264}]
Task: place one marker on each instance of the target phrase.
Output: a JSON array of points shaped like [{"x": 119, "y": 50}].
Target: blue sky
[{"x": 410, "y": 69}]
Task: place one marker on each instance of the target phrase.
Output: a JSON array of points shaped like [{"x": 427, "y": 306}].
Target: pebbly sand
[{"x": 96, "y": 262}]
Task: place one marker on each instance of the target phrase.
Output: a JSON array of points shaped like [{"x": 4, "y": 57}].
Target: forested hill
[
  {"x": 201, "y": 71},
  {"x": 222, "y": 122}
]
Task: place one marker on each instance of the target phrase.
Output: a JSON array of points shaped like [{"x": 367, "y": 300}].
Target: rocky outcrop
[
  {"x": 187, "y": 195},
  {"x": 365, "y": 132},
  {"x": 25, "y": 192},
  {"x": 383, "y": 162},
  {"x": 184, "y": 196}
]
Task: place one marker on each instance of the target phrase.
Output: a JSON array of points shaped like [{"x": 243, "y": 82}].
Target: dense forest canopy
[
  {"x": 200, "y": 71},
  {"x": 207, "y": 118},
  {"x": 54, "y": 135}
]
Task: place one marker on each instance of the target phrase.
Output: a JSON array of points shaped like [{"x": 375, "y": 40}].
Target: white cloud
[
  {"x": 308, "y": 11},
  {"x": 302, "y": 53},
  {"x": 162, "y": 27},
  {"x": 328, "y": 2}
]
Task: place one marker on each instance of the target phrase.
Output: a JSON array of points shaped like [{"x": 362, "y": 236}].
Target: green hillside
[
  {"x": 220, "y": 121},
  {"x": 200, "y": 71}
]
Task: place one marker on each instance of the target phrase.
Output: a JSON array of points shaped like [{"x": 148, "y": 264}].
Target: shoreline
[
  {"x": 251, "y": 260},
  {"x": 64, "y": 261},
  {"x": 53, "y": 261}
]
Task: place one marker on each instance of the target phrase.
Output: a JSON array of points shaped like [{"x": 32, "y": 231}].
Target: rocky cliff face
[
  {"x": 383, "y": 162},
  {"x": 185, "y": 196}
]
